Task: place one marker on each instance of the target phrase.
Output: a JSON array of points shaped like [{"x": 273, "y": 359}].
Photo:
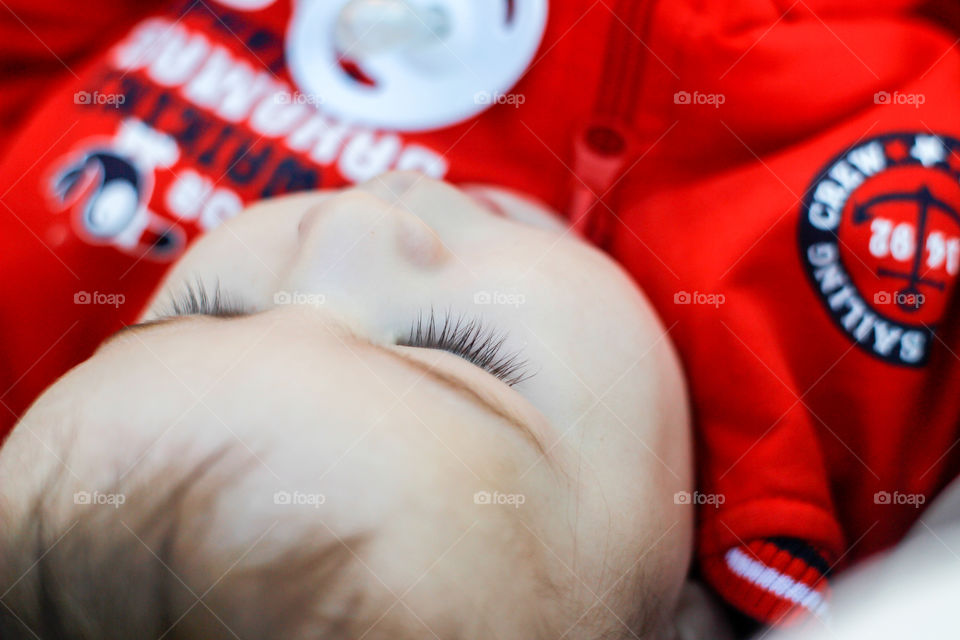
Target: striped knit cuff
[{"x": 774, "y": 580}]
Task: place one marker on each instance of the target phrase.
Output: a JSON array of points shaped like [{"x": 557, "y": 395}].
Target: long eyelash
[
  {"x": 472, "y": 341},
  {"x": 196, "y": 299}
]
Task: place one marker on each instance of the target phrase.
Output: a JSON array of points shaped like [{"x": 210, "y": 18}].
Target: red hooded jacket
[{"x": 782, "y": 178}]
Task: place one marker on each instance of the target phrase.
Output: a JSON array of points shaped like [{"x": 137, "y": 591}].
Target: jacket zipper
[{"x": 606, "y": 143}]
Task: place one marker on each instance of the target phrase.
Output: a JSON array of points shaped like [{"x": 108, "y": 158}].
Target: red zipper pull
[{"x": 600, "y": 155}]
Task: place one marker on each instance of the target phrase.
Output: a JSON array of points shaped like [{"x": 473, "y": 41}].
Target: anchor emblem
[{"x": 926, "y": 203}]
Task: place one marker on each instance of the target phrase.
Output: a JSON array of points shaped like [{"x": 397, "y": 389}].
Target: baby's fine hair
[
  {"x": 106, "y": 573},
  {"x": 145, "y": 571}
]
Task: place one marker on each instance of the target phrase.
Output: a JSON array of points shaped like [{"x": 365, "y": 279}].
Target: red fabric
[
  {"x": 799, "y": 425},
  {"x": 769, "y": 583},
  {"x": 41, "y": 43},
  {"x": 801, "y": 429}
]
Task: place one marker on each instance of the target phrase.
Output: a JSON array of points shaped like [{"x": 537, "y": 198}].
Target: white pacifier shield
[
  {"x": 438, "y": 81},
  {"x": 247, "y": 5}
]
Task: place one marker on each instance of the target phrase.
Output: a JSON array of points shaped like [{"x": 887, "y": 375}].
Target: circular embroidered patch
[{"x": 879, "y": 237}]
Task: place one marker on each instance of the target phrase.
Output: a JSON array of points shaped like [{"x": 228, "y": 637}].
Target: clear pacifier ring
[{"x": 411, "y": 65}]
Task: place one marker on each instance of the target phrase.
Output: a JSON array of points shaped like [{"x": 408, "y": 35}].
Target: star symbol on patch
[
  {"x": 929, "y": 150},
  {"x": 897, "y": 150}
]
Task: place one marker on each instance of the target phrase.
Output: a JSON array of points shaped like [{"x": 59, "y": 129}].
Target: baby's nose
[{"x": 359, "y": 232}]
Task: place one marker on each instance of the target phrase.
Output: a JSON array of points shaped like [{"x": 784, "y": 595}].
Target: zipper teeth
[
  {"x": 631, "y": 60},
  {"x": 613, "y": 60},
  {"x": 623, "y": 60},
  {"x": 642, "y": 58}
]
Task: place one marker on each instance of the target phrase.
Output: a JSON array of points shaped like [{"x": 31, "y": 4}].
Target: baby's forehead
[{"x": 416, "y": 512}]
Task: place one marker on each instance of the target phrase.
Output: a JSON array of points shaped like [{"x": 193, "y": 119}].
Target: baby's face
[{"x": 491, "y": 405}]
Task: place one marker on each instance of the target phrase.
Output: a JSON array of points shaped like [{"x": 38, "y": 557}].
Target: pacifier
[{"x": 411, "y": 65}]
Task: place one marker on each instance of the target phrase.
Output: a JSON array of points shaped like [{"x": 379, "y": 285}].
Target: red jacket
[{"x": 783, "y": 179}]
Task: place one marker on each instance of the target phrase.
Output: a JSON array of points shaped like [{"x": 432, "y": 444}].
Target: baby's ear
[{"x": 699, "y": 615}]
